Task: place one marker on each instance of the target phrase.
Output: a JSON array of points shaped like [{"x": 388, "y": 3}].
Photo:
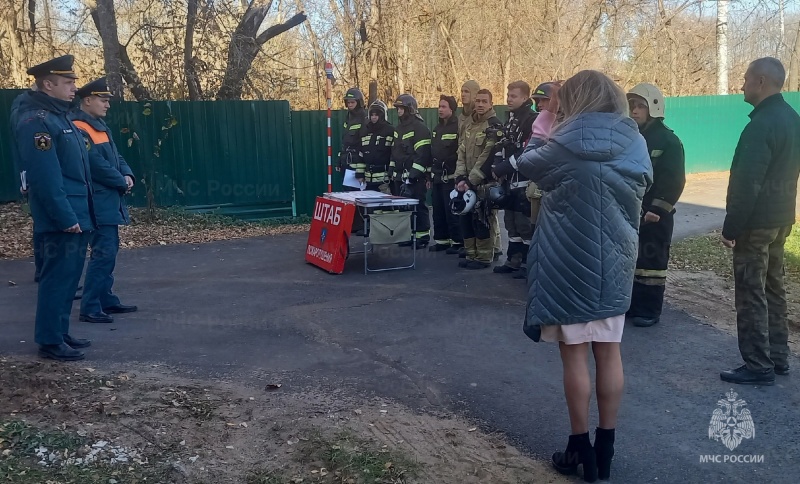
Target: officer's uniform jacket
[
  {"x": 108, "y": 169},
  {"x": 411, "y": 153},
  {"x": 57, "y": 164},
  {"x": 444, "y": 150},
  {"x": 669, "y": 174}
]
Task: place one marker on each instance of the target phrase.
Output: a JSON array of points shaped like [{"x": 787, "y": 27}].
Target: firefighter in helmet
[
  {"x": 377, "y": 139},
  {"x": 411, "y": 161},
  {"x": 658, "y": 206},
  {"x": 349, "y": 156}
]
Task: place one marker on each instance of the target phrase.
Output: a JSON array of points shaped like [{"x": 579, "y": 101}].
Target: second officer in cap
[
  {"x": 60, "y": 194},
  {"x": 112, "y": 178}
]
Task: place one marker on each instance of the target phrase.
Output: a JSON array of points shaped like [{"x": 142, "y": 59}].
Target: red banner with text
[{"x": 329, "y": 238}]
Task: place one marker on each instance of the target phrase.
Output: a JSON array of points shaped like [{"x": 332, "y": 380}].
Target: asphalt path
[{"x": 438, "y": 338}]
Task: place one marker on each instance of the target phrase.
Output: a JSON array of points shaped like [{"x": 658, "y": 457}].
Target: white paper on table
[{"x": 351, "y": 181}]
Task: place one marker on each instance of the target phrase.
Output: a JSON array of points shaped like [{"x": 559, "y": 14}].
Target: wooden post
[{"x": 328, "y": 88}]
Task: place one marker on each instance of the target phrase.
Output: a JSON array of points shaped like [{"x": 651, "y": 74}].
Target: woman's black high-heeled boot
[
  {"x": 579, "y": 451},
  {"x": 604, "y": 451}
]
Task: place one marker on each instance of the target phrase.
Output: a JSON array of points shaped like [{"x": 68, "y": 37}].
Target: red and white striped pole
[{"x": 329, "y": 77}]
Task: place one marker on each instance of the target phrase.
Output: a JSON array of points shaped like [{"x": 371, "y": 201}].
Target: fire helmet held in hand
[
  {"x": 462, "y": 202},
  {"x": 500, "y": 197}
]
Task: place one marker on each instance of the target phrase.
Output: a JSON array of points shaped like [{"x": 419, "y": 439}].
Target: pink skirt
[{"x": 607, "y": 330}]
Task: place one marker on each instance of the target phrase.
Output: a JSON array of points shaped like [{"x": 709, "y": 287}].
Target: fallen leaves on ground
[{"x": 166, "y": 227}]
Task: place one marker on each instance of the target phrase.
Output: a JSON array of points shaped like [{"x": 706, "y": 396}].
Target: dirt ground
[{"x": 151, "y": 427}]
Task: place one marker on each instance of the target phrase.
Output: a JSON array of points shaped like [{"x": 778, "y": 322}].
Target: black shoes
[
  {"x": 604, "y": 452},
  {"x": 745, "y": 376},
  {"x": 477, "y": 265},
  {"x": 504, "y": 269},
  {"x": 76, "y": 342},
  {"x": 643, "y": 322},
  {"x": 62, "y": 352},
  {"x": 119, "y": 309},
  {"x": 782, "y": 370},
  {"x": 462, "y": 253},
  {"x": 420, "y": 243},
  {"x": 579, "y": 452},
  {"x": 454, "y": 249},
  {"x": 463, "y": 263},
  {"x": 100, "y": 317}
]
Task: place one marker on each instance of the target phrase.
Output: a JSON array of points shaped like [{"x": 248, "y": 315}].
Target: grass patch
[
  {"x": 20, "y": 465},
  {"x": 706, "y": 253},
  {"x": 266, "y": 477},
  {"x": 15, "y": 470},
  {"x": 348, "y": 459},
  {"x": 20, "y": 437}
]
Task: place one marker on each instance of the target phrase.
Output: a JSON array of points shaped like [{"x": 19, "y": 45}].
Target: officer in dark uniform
[
  {"x": 444, "y": 150},
  {"x": 60, "y": 194},
  {"x": 411, "y": 160},
  {"x": 112, "y": 178},
  {"x": 658, "y": 205},
  {"x": 19, "y": 166}
]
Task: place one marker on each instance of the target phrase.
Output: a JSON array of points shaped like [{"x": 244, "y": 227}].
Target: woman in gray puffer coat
[{"x": 594, "y": 171}]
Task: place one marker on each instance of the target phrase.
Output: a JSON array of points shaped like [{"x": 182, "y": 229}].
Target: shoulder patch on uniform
[
  {"x": 656, "y": 153},
  {"x": 42, "y": 141}
]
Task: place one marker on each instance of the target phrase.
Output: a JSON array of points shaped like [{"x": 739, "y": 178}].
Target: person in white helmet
[{"x": 646, "y": 105}]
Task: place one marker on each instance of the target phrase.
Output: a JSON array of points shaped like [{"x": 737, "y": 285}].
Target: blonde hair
[{"x": 590, "y": 92}]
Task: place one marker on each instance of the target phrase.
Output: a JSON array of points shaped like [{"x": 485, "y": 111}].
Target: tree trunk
[
  {"x": 794, "y": 63},
  {"x": 106, "y": 22},
  {"x": 139, "y": 91},
  {"x": 192, "y": 82},
  {"x": 245, "y": 46},
  {"x": 19, "y": 61}
]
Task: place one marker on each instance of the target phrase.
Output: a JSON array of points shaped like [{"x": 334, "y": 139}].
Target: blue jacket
[
  {"x": 594, "y": 172},
  {"x": 53, "y": 153},
  {"x": 19, "y": 166},
  {"x": 108, "y": 170}
]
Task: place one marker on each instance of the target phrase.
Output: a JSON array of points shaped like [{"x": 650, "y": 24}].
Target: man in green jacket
[
  {"x": 474, "y": 172},
  {"x": 762, "y": 193}
]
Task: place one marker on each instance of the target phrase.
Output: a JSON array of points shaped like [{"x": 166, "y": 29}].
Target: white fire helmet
[{"x": 652, "y": 95}]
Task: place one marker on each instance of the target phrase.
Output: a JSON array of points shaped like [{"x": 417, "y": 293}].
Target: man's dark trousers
[
  {"x": 649, "y": 283},
  {"x": 99, "y": 280},
  {"x": 446, "y": 225},
  {"x": 63, "y": 256},
  {"x": 37, "y": 255},
  {"x": 761, "y": 310}
]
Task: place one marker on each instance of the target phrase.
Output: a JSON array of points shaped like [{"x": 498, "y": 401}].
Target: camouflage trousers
[{"x": 761, "y": 310}]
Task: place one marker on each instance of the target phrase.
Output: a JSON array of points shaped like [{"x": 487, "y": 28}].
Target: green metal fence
[{"x": 256, "y": 159}]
